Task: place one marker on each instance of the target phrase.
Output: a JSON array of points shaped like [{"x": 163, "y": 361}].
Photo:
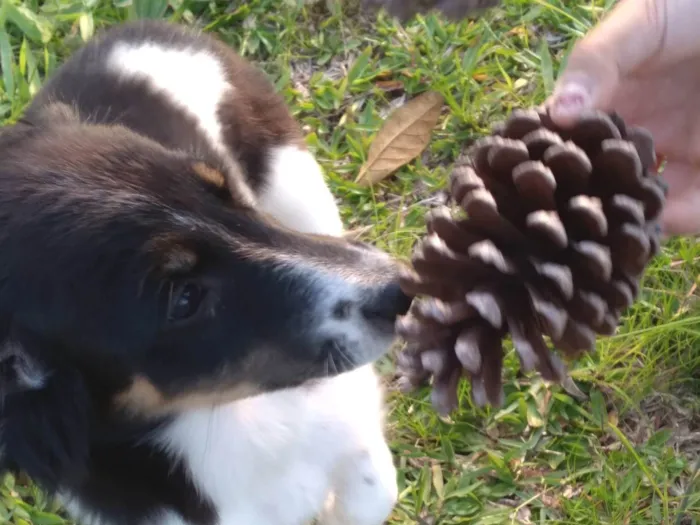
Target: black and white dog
[{"x": 187, "y": 339}]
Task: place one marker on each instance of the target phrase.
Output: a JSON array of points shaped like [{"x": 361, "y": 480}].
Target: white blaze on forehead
[{"x": 193, "y": 80}]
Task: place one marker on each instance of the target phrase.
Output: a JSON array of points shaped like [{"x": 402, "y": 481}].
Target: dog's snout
[{"x": 387, "y": 304}]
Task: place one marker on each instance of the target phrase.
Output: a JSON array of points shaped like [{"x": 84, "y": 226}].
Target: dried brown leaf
[{"x": 402, "y": 138}]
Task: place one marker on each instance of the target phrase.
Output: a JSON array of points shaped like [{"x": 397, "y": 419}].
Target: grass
[{"x": 629, "y": 453}]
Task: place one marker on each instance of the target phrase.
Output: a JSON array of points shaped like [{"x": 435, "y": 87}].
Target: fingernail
[{"x": 569, "y": 102}]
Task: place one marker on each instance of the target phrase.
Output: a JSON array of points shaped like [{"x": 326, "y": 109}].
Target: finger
[
  {"x": 635, "y": 34},
  {"x": 681, "y": 215}
]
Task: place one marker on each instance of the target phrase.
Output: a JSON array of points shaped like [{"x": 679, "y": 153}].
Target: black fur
[{"x": 103, "y": 220}]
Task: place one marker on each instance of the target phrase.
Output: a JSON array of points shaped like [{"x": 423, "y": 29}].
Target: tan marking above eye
[
  {"x": 171, "y": 255},
  {"x": 179, "y": 260},
  {"x": 209, "y": 174}
]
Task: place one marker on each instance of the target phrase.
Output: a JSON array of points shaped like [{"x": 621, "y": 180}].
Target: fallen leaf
[
  {"x": 389, "y": 85},
  {"x": 402, "y": 138},
  {"x": 550, "y": 501},
  {"x": 523, "y": 515},
  {"x": 385, "y": 74},
  {"x": 519, "y": 31},
  {"x": 438, "y": 481},
  {"x": 534, "y": 418}
]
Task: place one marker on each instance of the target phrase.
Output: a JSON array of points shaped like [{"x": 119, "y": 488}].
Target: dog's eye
[{"x": 184, "y": 302}]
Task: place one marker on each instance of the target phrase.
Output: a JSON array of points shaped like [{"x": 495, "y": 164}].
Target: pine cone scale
[
  {"x": 571, "y": 168},
  {"x": 535, "y": 184}
]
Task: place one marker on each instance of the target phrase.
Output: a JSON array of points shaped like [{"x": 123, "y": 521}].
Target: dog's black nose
[{"x": 387, "y": 304}]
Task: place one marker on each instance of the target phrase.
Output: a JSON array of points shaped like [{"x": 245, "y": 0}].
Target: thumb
[{"x": 633, "y": 33}]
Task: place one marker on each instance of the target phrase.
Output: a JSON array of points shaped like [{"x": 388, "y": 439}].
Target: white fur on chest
[{"x": 270, "y": 459}]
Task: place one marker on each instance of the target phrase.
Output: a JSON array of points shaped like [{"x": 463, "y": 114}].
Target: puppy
[{"x": 186, "y": 337}]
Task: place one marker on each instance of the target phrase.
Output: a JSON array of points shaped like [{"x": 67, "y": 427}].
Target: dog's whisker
[
  {"x": 349, "y": 363},
  {"x": 335, "y": 365},
  {"x": 210, "y": 423}
]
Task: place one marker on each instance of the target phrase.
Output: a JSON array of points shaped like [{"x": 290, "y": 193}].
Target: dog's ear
[
  {"x": 52, "y": 113},
  {"x": 34, "y": 120},
  {"x": 18, "y": 371},
  {"x": 44, "y": 418}
]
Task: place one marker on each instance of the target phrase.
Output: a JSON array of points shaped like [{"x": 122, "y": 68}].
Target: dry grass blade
[{"x": 403, "y": 137}]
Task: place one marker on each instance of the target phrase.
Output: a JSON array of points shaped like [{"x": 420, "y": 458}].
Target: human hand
[{"x": 643, "y": 61}]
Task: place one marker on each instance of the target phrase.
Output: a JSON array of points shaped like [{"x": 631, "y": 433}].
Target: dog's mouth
[{"x": 346, "y": 352}]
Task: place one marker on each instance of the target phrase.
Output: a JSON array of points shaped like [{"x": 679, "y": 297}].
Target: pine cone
[
  {"x": 453, "y": 9},
  {"x": 559, "y": 227}
]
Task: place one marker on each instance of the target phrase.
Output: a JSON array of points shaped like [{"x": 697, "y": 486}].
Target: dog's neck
[{"x": 131, "y": 479}]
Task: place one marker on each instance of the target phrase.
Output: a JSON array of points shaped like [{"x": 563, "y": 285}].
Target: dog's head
[{"x": 135, "y": 279}]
